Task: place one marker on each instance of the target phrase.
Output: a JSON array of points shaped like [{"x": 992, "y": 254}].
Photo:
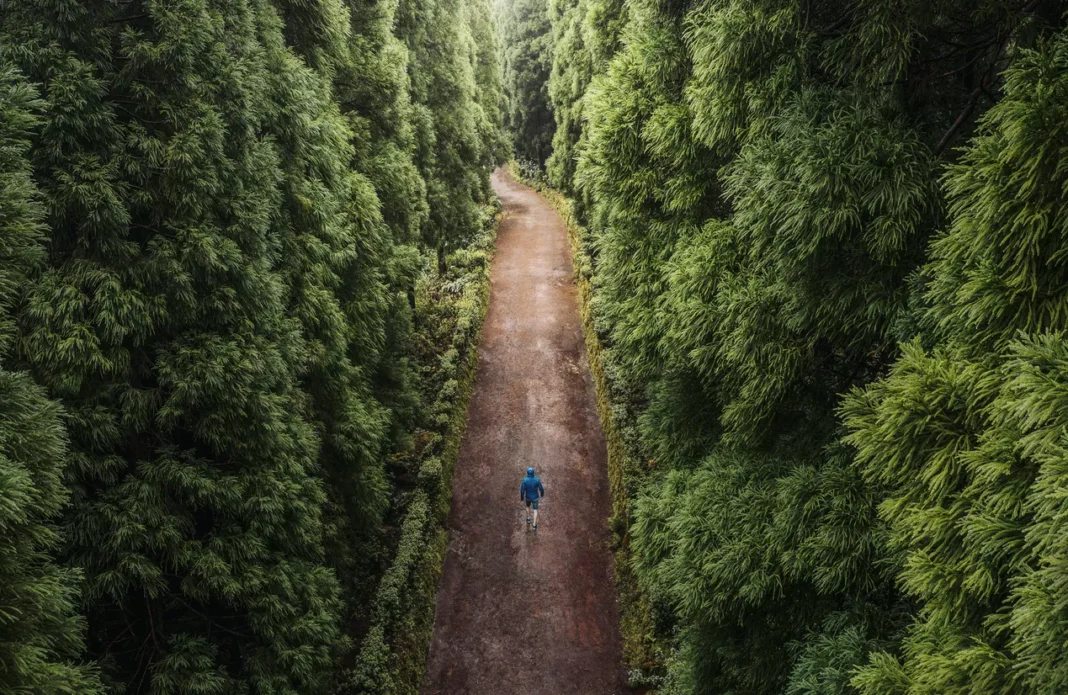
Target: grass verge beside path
[
  {"x": 643, "y": 652},
  {"x": 449, "y": 312}
]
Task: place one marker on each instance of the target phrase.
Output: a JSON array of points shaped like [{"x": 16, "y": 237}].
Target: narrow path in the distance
[{"x": 523, "y": 612}]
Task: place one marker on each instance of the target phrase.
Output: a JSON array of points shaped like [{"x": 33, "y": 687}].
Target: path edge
[
  {"x": 643, "y": 651},
  {"x": 393, "y": 655}
]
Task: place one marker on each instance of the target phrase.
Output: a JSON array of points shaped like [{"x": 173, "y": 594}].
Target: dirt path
[{"x": 521, "y": 612}]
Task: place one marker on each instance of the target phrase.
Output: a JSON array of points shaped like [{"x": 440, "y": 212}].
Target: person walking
[{"x": 530, "y": 492}]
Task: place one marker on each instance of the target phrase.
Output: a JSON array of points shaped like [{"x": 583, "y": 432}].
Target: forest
[
  {"x": 243, "y": 246},
  {"x": 822, "y": 253},
  {"x": 826, "y": 249}
]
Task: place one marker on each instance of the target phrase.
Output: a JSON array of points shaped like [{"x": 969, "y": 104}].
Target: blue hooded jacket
[{"x": 531, "y": 488}]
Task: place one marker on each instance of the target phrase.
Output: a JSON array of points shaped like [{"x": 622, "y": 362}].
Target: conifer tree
[
  {"x": 760, "y": 181},
  {"x": 335, "y": 249},
  {"x": 490, "y": 99},
  {"x": 41, "y": 633},
  {"x": 527, "y": 33},
  {"x": 448, "y": 148},
  {"x": 373, "y": 89},
  {"x": 161, "y": 323},
  {"x": 967, "y": 436},
  {"x": 585, "y": 35}
]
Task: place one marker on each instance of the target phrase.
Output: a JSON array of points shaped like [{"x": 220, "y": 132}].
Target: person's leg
[
  {"x": 528, "y": 513},
  {"x": 535, "y": 505}
]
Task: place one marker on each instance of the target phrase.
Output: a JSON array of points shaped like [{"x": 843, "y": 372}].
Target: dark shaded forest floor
[{"x": 518, "y": 611}]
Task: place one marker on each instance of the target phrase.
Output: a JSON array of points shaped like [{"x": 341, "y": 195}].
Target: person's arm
[
  {"x": 522, "y": 492},
  {"x": 541, "y": 489}
]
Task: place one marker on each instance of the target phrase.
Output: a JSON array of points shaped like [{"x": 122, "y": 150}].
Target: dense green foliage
[
  {"x": 40, "y": 632},
  {"x": 238, "y": 199},
  {"x": 526, "y": 33},
  {"x": 585, "y": 34},
  {"x": 848, "y": 478},
  {"x": 244, "y": 254},
  {"x": 966, "y": 437},
  {"x": 449, "y": 312}
]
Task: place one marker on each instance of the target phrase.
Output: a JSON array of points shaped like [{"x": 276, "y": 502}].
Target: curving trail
[{"x": 530, "y": 613}]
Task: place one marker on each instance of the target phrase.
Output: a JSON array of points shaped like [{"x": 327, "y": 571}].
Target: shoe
[
  {"x": 528, "y": 521},
  {"x": 535, "y": 527}
]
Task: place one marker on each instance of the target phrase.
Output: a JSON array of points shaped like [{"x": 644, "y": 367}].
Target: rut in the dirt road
[{"x": 517, "y": 611}]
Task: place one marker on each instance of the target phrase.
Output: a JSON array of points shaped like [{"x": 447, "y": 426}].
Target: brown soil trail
[{"x": 522, "y": 612}]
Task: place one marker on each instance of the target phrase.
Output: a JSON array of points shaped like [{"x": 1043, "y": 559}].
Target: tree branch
[
  {"x": 973, "y": 99},
  {"x": 984, "y": 83}
]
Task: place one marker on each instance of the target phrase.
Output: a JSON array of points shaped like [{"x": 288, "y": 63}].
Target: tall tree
[
  {"x": 449, "y": 149},
  {"x": 161, "y": 323},
  {"x": 490, "y": 98},
  {"x": 335, "y": 259},
  {"x": 585, "y": 35},
  {"x": 761, "y": 183},
  {"x": 41, "y": 633},
  {"x": 527, "y": 36},
  {"x": 967, "y": 436}
]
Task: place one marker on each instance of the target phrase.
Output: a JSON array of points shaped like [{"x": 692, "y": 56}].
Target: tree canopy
[
  {"x": 527, "y": 60},
  {"x": 824, "y": 243},
  {"x": 826, "y": 250},
  {"x": 214, "y": 215}
]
